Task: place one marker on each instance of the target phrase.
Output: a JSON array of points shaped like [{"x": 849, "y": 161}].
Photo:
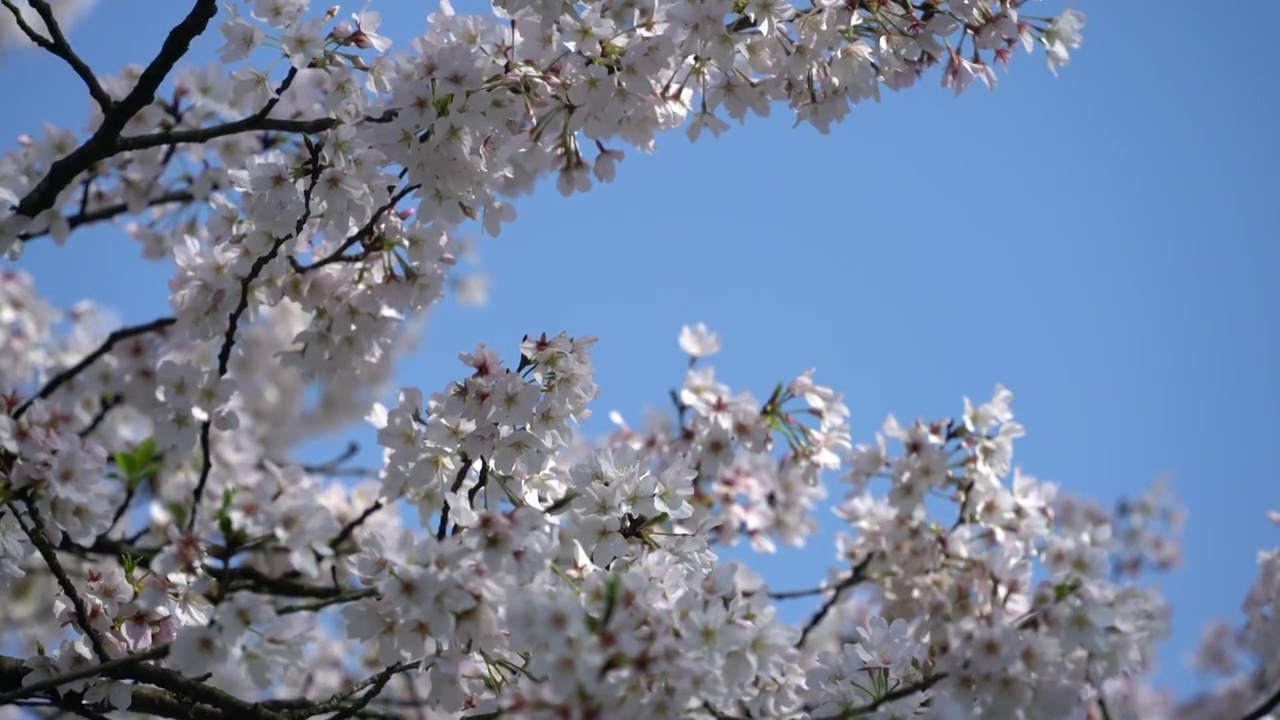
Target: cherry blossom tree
[{"x": 164, "y": 552}]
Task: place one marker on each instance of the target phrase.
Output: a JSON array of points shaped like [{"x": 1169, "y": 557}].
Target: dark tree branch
[
  {"x": 257, "y": 122},
  {"x": 338, "y": 702},
  {"x": 112, "y": 211},
  {"x": 1265, "y": 708},
  {"x": 328, "y": 467},
  {"x": 233, "y": 321},
  {"x": 360, "y": 235},
  {"x": 354, "y": 708},
  {"x": 349, "y": 529},
  {"x": 796, "y": 594},
  {"x": 463, "y": 468},
  {"x": 145, "y": 700},
  {"x": 234, "y": 579},
  {"x": 57, "y": 44},
  {"x": 855, "y": 577},
  {"x": 108, "y": 405},
  {"x": 189, "y": 690},
  {"x": 898, "y": 694},
  {"x": 318, "y": 605},
  {"x": 106, "y": 140},
  {"x": 246, "y": 578},
  {"x": 36, "y": 533},
  {"x": 70, "y": 373},
  {"x": 105, "y": 669}
]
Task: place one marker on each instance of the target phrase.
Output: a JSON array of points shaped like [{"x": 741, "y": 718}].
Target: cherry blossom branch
[
  {"x": 358, "y": 236},
  {"x": 463, "y": 468},
  {"x": 855, "y": 577},
  {"x": 236, "y": 579},
  {"x": 349, "y": 529},
  {"x": 143, "y": 700},
  {"x": 40, "y": 539},
  {"x": 70, "y": 373},
  {"x": 254, "y": 123},
  {"x": 108, "y": 405},
  {"x": 337, "y": 702},
  {"x": 105, "y": 140},
  {"x": 258, "y": 122},
  {"x": 352, "y": 449},
  {"x": 86, "y": 217},
  {"x": 233, "y": 323},
  {"x": 104, "y": 669},
  {"x": 231, "y": 706},
  {"x": 797, "y": 594},
  {"x": 892, "y": 695},
  {"x": 365, "y": 699},
  {"x": 57, "y": 45},
  {"x": 345, "y": 597},
  {"x": 247, "y": 578}
]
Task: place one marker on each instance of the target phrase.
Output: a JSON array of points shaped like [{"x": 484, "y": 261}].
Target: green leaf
[
  {"x": 225, "y": 527},
  {"x": 139, "y": 464},
  {"x": 657, "y": 519},
  {"x": 1064, "y": 590},
  {"x": 224, "y": 515}
]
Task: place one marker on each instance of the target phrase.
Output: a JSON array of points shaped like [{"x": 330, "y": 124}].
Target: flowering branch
[
  {"x": 587, "y": 578},
  {"x": 359, "y": 236},
  {"x": 109, "y": 668},
  {"x": 105, "y": 140},
  {"x": 855, "y": 578},
  {"x": 233, "y": 322},
  {"x": 356, "y": 522},
  {"x": 345, "y": 597},
  {"x": 144, "y": 700},
  {"x": 193, "y": 690},
  {"x": 338, "y": 702},
  {"x": 890, "y": 696},
  {"x": 258, "y": 122},
  {"x": 86, "y": 217},
  {"x": 70, "y": 373},
  {"x": 40, "y": 539}
]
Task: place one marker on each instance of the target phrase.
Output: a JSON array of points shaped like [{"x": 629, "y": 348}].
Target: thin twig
[
  {"x": 108, "y": 405},
  {"x": 797, "y": 594},
  {"x": 57, "y": 44},
  {"x": 360, "y": 235},
  {"x": 338, "y": 700},
  {"x": 70, "y": 373},
  {"x": 443, "y": 530},
  {"x": 349, "y": 529},
  {"x": 855, "y": 577},
  {"x": 258, "y": 122},
  {"x": 110, "y": 211},
  {"x": 40, "y": 539},
  {"x": 233, "y": 322},
  {"x": 902, "y": 692},
  {"x": 317, "y": 605}
]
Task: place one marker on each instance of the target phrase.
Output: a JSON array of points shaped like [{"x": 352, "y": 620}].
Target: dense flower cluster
[{"x": 164, "y": 554}]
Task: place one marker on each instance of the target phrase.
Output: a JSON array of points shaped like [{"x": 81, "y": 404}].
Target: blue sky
[{"x": 1102, "y": 243}]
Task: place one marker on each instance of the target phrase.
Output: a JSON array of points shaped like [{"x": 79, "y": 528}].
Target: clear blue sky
[{"x": 1102, "y": 243}]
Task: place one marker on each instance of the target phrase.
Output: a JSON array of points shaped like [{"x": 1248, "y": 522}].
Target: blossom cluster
[{"x": 164, "y": 553}]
